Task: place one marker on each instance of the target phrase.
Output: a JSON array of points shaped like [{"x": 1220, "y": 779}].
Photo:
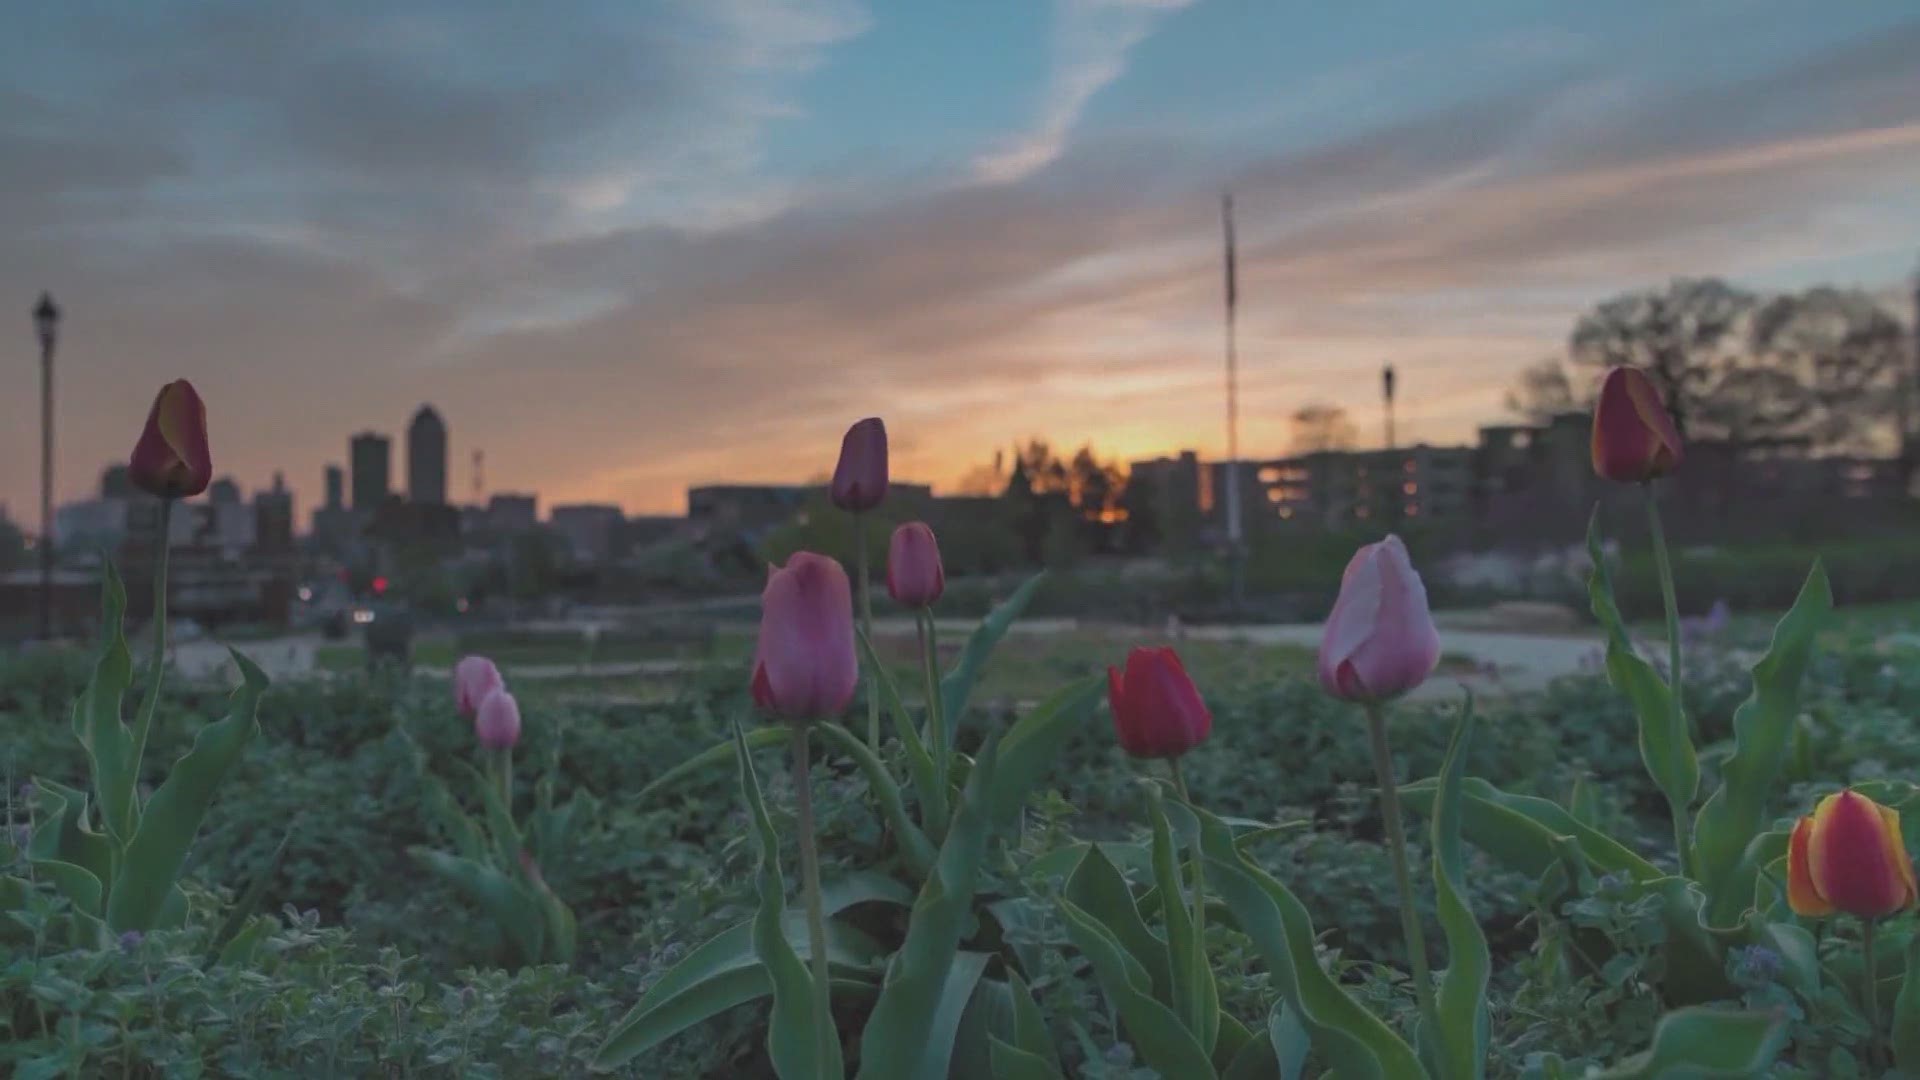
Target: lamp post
[{"x": 46, "y": 325}]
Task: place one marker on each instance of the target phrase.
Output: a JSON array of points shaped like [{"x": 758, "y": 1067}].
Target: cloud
[{"x": 1091, "y": 40}]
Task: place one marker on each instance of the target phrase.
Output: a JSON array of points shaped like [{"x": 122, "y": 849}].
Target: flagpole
[{"x": 1236, "y": 553}]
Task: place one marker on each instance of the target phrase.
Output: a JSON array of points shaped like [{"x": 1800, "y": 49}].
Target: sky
[{"x": 631, "y": 245}]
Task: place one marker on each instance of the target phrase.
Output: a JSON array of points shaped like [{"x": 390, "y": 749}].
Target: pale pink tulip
[
  {"x": 474, "y": 677},
  {"x": 497, "y": 724},
  {"x": 1380, "y": 641}
]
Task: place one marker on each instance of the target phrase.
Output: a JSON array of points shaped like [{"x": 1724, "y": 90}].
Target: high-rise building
[
  {"x": 371, "y": 455},
  {"x": 509, "y": 513},
  {"x": 427, "y": 458},
  {"x": 336, "y": 487},
  {"x": 224, "y": 491},
  {"x": 273, "y": 519}
]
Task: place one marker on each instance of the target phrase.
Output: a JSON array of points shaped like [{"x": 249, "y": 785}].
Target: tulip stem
[
  {"x": 159, "y": 625},
  {"x": 1870, "y": 994},
  {"x": 1677, "y": 690},
  {"x": 1397, "y": 845},
  {"x": 1200, "y": 969},
  {"x": 866, "y": 625},
  {"x": 936, "y": 722},
  {"x": 823, "y": 1030},
  {"x": 506, "y": 779}
]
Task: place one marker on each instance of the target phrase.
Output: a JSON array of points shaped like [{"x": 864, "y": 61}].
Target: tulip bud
[
  {"x": 171, "y": 459},
  {"x": 474, "y": 677},
  {"x": 914, "y": 576},
  {"x": 1847, "y": 856},
  {"x": 497, "y": 721},
  {"x": 860, "y": 479},
  {"x": 1380, "y": 641},
  {"x": 1157, "y": 712},
  {"x": 803, "y": 664},
  {"x": 1634, "y": 439}
]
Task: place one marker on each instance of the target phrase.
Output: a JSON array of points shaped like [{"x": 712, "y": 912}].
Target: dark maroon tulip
[
  {"x": 1634, "y": 439},
  {"x": 860, "y": 479},
  {"x": 171, "y": 459}
]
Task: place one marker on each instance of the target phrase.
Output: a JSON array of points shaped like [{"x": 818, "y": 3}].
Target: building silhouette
[
  {"x": 336, "y": 488},
  {"x": 427, "y": 458},
  {"x": 371, "y": 455}
]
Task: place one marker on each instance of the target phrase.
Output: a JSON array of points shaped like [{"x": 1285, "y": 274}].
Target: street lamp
[{"x": 46, "y": 325}]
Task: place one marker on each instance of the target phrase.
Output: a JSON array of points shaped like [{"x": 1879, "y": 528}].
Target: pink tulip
[
  {"x": 1634, "y": 438},
  {"x": 1157, "y": 712},
  {"x": 497, "y": 723},
  {"x": 860, "y": 479},
  {"x": 914, "y": 576},
  {"x": 803, "y": 665},
  {"x": 1380, "y": 641},
  {"x": 474, "y": 677}
]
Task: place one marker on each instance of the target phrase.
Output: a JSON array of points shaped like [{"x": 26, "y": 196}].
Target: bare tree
[
  {"x": 1685, "y": 336},
  {"x": 1846, "y": 357},
  {"x": 1543, "y": 391},
  {"x": 1319, "y": 426}
]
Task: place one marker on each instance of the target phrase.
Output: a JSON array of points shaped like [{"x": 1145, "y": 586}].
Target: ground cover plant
[{"x": 829, "y": 860}]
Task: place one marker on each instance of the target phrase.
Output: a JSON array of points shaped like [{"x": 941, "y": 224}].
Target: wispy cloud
[{"x": 1091, "y": 41}]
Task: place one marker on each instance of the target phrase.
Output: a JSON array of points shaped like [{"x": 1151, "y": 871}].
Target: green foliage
[
  {"x": 125, "y": 878},
  {"x": 1456, "y": 1046}
]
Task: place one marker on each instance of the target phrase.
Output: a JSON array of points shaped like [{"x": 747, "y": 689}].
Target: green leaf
[
  {"x": 957, "y": 687},
  {"x": 1521, "y": 830},
  {"x": 1013, "y": 1063},
  {"x": 1350, "y": 1038},
  {"x": 152, "y": 859},
  {"x": 726, "y": 972},
  {"x": 77, "y": 883},
  {"x": 249, "y": 901},
  {"x": 1234, "y": 1037},
  {"x": 1665, "y": 744},
  {"x": 512, "y": 907},
  {"x": 1164, "y": 1042},
  {"x": 468, "y": 841},
  {"x": 1033, "y": 743},
  {"x": 1196, "y": 998},
  {"x": 1457, "y": 1044},
  {"x": 1701, "y": 1042},
  {"x": 760, "y": 738},
  {"x": 1029, "y": 1025},
  {"x": 1290, "y": 1041},
  {"x": 1763, "y": 737},
  {"x": 1906, "y": 1012},
  {"x": 1099, "y": 889},
  {"x": 914, "y": 845},
  {"x": 64, "y": 836},
  {"x": 894, "y": 1046},
  {"x": 800, "y": 1048},
  {"x": 96, "y": 716},
  {"x": 945, "y": 1021},
  {"x": 239, "y": 950},
  {"x": 499, "y": 817},
  {"x": 927, "y": 781}
]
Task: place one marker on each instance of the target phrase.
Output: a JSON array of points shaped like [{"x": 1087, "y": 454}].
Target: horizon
[{"x": 712, "y": 236}]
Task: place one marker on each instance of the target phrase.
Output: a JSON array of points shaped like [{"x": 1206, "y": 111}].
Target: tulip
[
  {"x": 860, "y": 479},
  {"x": 497, "y": 721},
  {"x": 915, "y": 578},
  {"x": 1380, "y": 641},
  {"x": 171, "y": 458},
  {"x": 804, "y": 666},
  {"x": 474, "y": 677},
  {"x": 1847, "y": 856},
  {"x": 1634, "y": 439},
  {"x": 1157, "y": 712}
]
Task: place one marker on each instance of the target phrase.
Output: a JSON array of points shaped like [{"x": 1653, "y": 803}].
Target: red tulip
[
  {"x": 474, "y": 677},
  {"x": 914, "y": 575},
  {"x": 860, "y": 479},
  {"x": 1633, "y": 437},
  {"x": 171, "y": 459},
  {"x": 1157, "y": 712},
  {"x": 497, "y": 721},
  {"x": 1848, "y": 856},
  {"x": 803, "y": 665},
  {"x": 1380, "y": 641}
]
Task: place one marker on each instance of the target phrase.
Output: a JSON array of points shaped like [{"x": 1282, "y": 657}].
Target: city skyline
[{"x": 767, "y": 221}]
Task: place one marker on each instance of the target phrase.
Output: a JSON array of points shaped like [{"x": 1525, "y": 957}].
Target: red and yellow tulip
[{"x": 1847, "y": 856}]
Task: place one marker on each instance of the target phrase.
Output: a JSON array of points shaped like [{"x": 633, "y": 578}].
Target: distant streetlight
[{"x": 46, "y": 325}]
